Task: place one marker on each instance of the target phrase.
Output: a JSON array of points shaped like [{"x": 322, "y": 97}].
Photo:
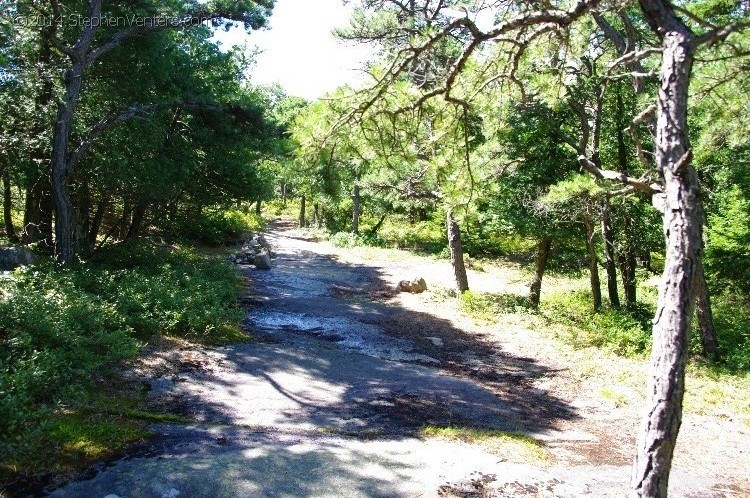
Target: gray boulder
[
  {"x": 262, "y": 260},
  {"x": 13, "y": 257}
]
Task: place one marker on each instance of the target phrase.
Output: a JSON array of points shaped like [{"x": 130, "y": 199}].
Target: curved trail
[{"x": 328, "y": 401}]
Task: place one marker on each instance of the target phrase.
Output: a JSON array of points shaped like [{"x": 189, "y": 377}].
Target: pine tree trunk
[
  {"x": 61, "y": 167},
  {"x": 457, "y": 253},
  {"x": 709, "y": 342},
  {"x": 10, "y": 230},
  {"x": 38, "y": 214},
  {"x": 596, "y": 286},
  {"x": 136, "y": 224},
  {"x": 302, "y": 209},
  {"x": 683, "y": 225},
  {"x": 609, "y": 254},
  {"x": 542, "y": 256},
  {"x": 355, "y": 210}
]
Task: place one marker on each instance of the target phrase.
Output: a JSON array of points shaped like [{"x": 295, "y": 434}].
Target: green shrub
[
  {"x": 732, "y": 322},
  {"x": 426, "y": 235},
  {"x": 218, "y": 227},
  {"x": 61, "y": 328},
  {"x": 624, "y": 332}
]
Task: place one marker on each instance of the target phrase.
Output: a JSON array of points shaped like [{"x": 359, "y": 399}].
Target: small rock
[{"x": 416, "y": 286}]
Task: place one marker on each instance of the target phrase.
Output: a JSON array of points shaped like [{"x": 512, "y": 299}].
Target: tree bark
[
  {"x": 61, "y": 167},
  {"x": 136, "y": 224},
  {"x": 10, "y": 230},
  {"x": 283, "y": 194},
  {"x": 258, "y": 206},
  {"x": 683, "y": 226},
  {"x": 596, "y": 286},
  {"x": 355, "y": 209},
  {"x": 457, "y": 253},
  {"x": 302, "y": 209},
  {"x": 609, "y": 254},
  {"x": 38, "y": 214},
  {"x": 709, "y": 342},
  {"x": 542, "y": 256}
]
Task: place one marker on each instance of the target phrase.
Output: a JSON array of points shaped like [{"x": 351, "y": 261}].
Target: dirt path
[{"x": 333, "y": 395}]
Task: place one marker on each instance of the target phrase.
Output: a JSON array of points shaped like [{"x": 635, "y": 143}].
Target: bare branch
[{"x": 641, "y": 185}]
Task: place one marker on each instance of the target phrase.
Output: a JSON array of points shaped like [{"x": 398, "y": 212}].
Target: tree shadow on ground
[{"x": 326, "y": 337}]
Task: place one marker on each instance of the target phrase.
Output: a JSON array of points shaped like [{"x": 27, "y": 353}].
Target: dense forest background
[{"x": 123, "y": 149}]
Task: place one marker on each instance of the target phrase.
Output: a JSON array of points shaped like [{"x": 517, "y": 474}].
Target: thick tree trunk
[
  {"x": 10, "y": 230},
  {"x": 542, "y": 256},
  {"x": 709, "y": 342},
  {"x": 61, "y": 167},
  {"x": 374, "y": 230},
  {"x": 457, "y": 253},
  {"x": 596, "y": 286},
  {"x": 258, "y": 207},
  {"x": 139, "y": 214},
  {"x": 38, "y": 214},
  {"x": 355, "y": 209},
  {"x": 609, "y": 254},
  {"x": 302, "y": 209},
  {"x": 683, "y": 227}
]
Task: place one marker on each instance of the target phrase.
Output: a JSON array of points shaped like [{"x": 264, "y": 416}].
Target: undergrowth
[
  {"x": 63, "y": 329},
  {"x": 218, "y": 227}
]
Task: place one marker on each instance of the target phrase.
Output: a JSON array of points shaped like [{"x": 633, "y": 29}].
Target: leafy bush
[
  {"x": 61, "y": 328},
  {"x": 732, "y": 322},
  {"x": 425, "y": 235},
  {"x": 218, "y": 227},
  {"x": 624, "y": 332}
]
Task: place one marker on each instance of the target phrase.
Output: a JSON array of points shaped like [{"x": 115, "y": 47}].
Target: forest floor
[{"x": 350, "y": 389}]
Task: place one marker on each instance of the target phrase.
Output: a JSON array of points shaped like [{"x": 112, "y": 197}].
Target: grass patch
[
  {"x": 491, "y": 307},
  {"x": 73, "y": 437},
  {"x": 513, "y": 446}
]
